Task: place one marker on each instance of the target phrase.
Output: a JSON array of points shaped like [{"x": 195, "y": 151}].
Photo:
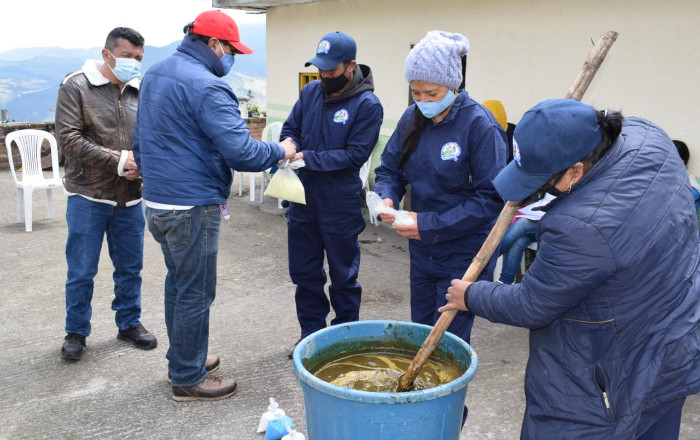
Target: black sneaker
[
  {"x": 73, "y": 346},
  {"x": 139, "y": 336}
]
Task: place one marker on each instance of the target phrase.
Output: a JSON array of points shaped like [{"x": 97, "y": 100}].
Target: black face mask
[
  {"x": 332, "y": 85},
  {"x": 547, "y": 188}
]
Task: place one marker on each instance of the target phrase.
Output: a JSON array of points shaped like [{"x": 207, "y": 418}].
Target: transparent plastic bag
[
  {"x": 286, "y": 185},
  {"x": 376, "y": 206},
  {"x": 292, "y": 434},
  {"x": 278, "y": 428},
  {"x": 273, "y": 412}
]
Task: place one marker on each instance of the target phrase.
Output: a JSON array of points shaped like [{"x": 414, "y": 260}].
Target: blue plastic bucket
[{"x": 338, "y": 413}]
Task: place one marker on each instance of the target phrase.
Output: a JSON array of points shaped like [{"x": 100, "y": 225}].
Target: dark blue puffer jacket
[
  {"x": 189, "y": 132},
  {"x": 612, "y": 298}
]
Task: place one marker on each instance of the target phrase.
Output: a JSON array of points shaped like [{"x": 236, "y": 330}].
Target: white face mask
[{"x": 125, "y": 69}]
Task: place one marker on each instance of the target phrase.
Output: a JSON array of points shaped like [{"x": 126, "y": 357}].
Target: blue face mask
[
  {"x": 432, "y": 109},
  {"x": 125, "y": 69},
  {"x": 227, "y": 60}
]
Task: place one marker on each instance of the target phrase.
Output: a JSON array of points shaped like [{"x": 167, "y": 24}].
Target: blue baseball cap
[
  {"x": 333, "y": 49},
  {"x": 551, "y": 137}
]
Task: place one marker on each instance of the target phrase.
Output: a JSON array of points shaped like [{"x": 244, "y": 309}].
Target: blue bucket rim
[{"x": 303, "y": 375}]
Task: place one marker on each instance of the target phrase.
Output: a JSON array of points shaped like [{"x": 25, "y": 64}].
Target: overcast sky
[{"x": 86, "y": 23}]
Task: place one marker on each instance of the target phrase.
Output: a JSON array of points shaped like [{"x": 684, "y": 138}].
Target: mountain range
[{"x": 29, "y": 78}]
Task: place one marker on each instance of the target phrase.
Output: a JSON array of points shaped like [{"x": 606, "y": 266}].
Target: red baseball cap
[{"x": 216, "y": 24}]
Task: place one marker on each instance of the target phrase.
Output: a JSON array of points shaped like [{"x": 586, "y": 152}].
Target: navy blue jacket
[
  {"x": 337, "y": 135},
  {"x": 612, "y": 298},
  {"x": 451, "y": 175},
  {"x": 189, "y": 131}
]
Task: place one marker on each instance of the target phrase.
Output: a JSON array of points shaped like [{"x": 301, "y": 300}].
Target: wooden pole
[{"x": 590, "y": 67}]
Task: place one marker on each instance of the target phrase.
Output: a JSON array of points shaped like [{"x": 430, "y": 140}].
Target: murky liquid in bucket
[{"x": 380, "y": 371}]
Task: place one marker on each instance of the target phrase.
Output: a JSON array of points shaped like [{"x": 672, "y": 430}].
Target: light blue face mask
[
  {"x": 125, "y": 69},
  {"x": 432, "y": 109},
  {"x": 227, "y": 60}
]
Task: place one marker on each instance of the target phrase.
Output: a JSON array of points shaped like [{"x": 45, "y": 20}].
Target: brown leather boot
[{"x": 211, "y": 388}]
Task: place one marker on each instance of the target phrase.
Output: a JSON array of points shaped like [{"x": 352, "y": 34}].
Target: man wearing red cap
[{"x": 189, "y": 135}]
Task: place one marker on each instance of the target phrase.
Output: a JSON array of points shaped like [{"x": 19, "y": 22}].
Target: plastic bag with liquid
[
  {"x": 286, "y": 185},
  {"x": 376, "y": 206}
]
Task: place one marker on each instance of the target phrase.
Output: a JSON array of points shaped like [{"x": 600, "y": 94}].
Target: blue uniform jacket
[
  {"x": 451, "y": 175},
  {"x": 189, "y": 131},
  {"x": 612, "y": 298},
  {"x": 337, "y": 135}
]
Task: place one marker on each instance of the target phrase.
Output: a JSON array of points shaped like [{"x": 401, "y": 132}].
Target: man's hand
[
  {"x": 290, "y": 150},
  {"x": 131, "y": 170},
  {"x": 409, "y": 231},
  {"x": 388, "y": 218},
  {"x": 455, "y": 296}
]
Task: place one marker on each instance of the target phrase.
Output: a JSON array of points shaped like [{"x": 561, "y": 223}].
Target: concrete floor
[{"x": 119, "y": 392}]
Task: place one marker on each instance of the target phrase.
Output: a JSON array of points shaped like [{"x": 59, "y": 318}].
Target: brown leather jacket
[{"x": 95, "y": 122}]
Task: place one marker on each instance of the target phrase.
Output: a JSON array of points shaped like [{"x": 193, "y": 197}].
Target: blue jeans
[
  {"x": 189, "y": 240},
  {"x": 88, "y": 222},
  {"x": 517, "y": 238}
]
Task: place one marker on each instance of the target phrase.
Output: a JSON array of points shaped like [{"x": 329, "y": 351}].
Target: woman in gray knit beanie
[{"x": 449, "y": 148}]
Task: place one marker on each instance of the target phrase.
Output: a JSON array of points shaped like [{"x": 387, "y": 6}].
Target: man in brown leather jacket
[{"x": 95, "y": 117}]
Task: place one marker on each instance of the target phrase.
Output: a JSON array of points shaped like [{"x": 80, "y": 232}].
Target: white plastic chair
[
  {"x": 29, "y": 144},
  {"x": 271, "y": 133}
]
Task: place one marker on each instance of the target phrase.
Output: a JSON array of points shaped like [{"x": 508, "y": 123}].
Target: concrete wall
[{"x": 523, "y": 51}]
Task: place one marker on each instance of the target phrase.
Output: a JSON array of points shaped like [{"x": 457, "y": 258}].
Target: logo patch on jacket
[
  {"x": 341, "y": 116},
  {"x": 323, "y": 46},
  {"x": 450, "y": 151}
]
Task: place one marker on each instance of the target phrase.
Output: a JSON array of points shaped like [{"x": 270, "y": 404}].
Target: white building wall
[{"x": 522, "y": 52}]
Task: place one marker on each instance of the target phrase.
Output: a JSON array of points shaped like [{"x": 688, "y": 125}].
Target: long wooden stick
[{"x": 590, "y": 67}]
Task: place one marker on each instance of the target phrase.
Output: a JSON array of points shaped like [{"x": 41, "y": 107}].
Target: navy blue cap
[
  {"x": 333, "y": 49},
  {"x": 551, "y": 137}
]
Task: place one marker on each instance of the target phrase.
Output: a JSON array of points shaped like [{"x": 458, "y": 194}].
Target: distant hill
[{"x": 29, "y": 78}]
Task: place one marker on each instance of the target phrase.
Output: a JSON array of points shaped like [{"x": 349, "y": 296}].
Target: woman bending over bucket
[{"x": 612, "y": 298}]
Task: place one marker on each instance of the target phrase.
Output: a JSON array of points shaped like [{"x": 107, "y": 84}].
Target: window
[{"x": 306, "y": 77}]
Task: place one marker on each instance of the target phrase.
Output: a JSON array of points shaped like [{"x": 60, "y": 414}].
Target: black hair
[
  {"x": 410, "y": 143},
  {"x": 682, "y": 150},
  {"x": 611, "y": 125},
  {"x": 126, "y": 33}
]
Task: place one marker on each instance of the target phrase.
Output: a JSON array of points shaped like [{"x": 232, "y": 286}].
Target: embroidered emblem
[
  {"x": 323, "y": 46},
  {"x": 516, "y": 153},
  {"x": 450, "y": 151},
  {"x": 341, "y": 116}
]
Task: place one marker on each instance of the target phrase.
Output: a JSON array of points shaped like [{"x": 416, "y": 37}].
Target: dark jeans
[
  {"x": 189, "y": 240},
  {"x": 88, "y": 222},
  {"x": 308, "y": 244}
]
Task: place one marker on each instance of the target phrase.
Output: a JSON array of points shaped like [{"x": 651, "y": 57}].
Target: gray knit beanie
[{"x": 437, "y": 59}]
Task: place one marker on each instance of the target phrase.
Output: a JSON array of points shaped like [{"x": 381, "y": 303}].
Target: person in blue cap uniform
[
  {"x": 449, "y": 148},
  {"x": 612, "y": 296},
  {"x": 335, "y": 125}
]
